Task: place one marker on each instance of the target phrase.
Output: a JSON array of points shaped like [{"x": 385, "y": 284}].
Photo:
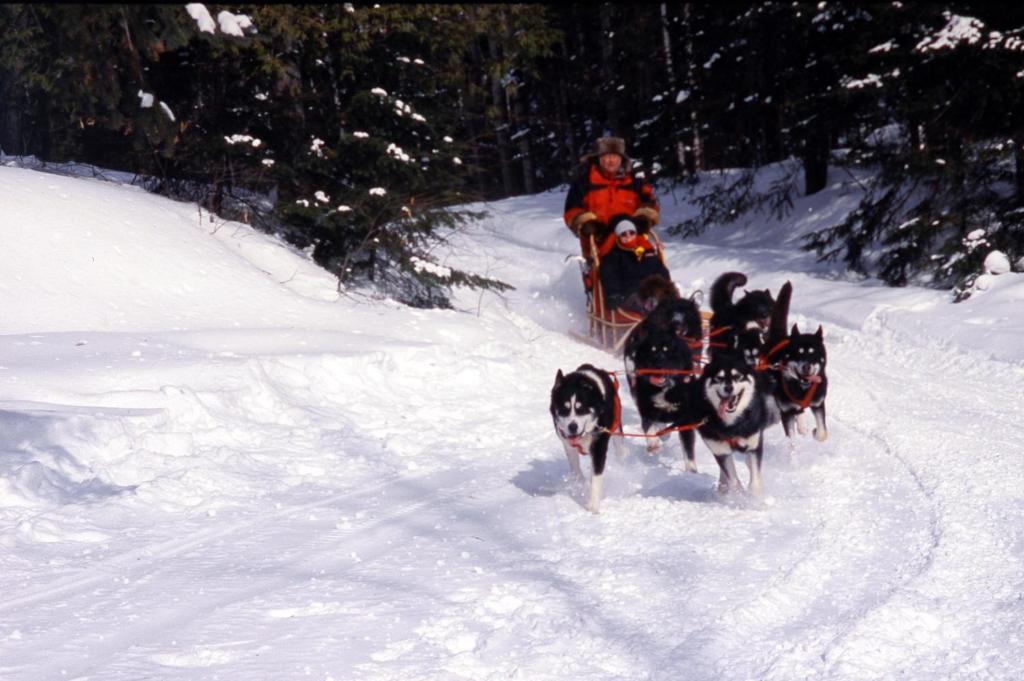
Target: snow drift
[{"x": 214, "y": 466}]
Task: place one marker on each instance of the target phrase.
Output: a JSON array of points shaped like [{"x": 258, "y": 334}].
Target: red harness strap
[
  {"x": 693, "y": 343},
  {"x": 616, "y": 427},
  {"x": 666, "y": 431},
  {"x": 576, "y": 446},
  {"x": 617, "y": 418},
  {"x": 805, "y": 401},
  {"x": 672, "y": 429},
  {"x": 764, "y": 361},
  {"x": 717, "y": 331},
  {"x": 667, "y": 372}
]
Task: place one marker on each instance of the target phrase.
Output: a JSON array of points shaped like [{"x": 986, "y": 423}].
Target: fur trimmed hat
[{"x": 608, "y": 145}]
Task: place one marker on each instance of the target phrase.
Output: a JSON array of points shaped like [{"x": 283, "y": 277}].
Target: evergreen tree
[
  {"x": 78, "y": 78},
  {"x": 357, "y": 130},
  {"x": 366, "y": 169},
  {"x": 334, "y": 116},
  {"x": 943, "y": 198}
]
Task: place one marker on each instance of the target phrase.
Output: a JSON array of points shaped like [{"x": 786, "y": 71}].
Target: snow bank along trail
[{"x": 381, "y": 496}]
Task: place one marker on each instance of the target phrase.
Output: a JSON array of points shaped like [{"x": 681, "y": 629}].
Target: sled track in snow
[
  {"x": 139, "y": 562},
  {"x": 127, "y": 574},
  {"x": 737, "y": 642},
  {"x": 922, "y": 563}
]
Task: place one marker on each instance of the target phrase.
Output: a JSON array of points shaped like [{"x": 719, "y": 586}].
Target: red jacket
[{"x": 607, "y": 197}]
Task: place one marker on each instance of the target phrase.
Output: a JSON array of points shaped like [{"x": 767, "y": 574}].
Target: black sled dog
[
  {"x": 739, "y": 326},
  {"x": 795, "y": 367},
  {"x": 734, "y": 408},
  {"x": 586, "y": 412},
  {"x": 801, "y": 381},
  {"x": 659, "y": 359}
]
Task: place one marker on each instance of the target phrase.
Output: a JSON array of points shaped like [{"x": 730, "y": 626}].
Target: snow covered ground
[{"x": 214, "y": 467}]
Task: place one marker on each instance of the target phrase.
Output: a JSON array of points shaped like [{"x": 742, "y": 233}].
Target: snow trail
[{"x": 335, "y": 489}]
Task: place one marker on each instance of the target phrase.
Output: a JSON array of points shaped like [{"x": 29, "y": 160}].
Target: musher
[{"x": 604, "y": 188}]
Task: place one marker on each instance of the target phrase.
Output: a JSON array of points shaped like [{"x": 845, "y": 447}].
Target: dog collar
[{"x": 805, "y": 401}]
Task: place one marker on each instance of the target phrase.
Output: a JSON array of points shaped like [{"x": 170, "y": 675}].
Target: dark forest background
[{"x": 357, "y": 130}]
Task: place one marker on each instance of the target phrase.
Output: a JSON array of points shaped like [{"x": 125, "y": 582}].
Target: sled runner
[{"x": 608, "y": 327}]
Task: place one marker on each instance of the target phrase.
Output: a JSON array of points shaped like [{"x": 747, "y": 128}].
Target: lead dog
[
  {"x": 735, "y": 413},
  {"x": 795, "y": 367},
  {"x": 801, "y": 381},
  {"x": 586, "y": 412}
]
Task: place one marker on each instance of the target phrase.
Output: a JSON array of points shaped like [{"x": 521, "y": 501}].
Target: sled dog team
[{"x": 757, "y": 374}]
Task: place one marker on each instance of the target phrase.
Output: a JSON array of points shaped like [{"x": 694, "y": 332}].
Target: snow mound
[{"x": 81, "y": 254}]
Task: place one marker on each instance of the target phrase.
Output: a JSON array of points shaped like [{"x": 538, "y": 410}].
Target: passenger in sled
[{"x": 632, "y": 271}]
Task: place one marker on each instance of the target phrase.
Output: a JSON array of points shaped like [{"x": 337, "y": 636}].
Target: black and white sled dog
[
  {"x": 734, "y": 407},
  {"x": 795, "y": 368},
  {"x": 740, "y": 326},
  {"x": 801, "y": 381},
  {"x": 659, "y": 360},
  {"x": 586, "y": 412}
]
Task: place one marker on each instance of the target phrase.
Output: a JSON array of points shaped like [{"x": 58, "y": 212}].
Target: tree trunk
[
  {"x": 695, "y": 158},
  {"x": 1019, "y": 171},
  {"x": 471, "y": 111},
  {"x": 41, "y": 141},
  {"x": 608, "y": 89},
  {"x": 11, "y": 141},
  {"x": 568, "y": 139},
  {"x": 571, "y": 109},
  {"x": 495, "y": 71},
  {"x": 670, "y": 73},
  {"x": 772, "y": 143},
  {"x": 522, "y": 133},
  {"x": 815, "y": 156}
]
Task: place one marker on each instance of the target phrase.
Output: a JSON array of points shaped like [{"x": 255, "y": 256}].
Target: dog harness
[
  {"x": 764, "y": 364},
  {"x": 808, "y": 397},
  {"x": 764, "y": 361}
]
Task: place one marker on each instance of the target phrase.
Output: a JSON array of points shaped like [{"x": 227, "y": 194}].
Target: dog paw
[
  {"x": 820, "y": 434},
  {"x": 653, "y": 445},
  {"x": 726, "y": 489},
  {"x": 691, "y": 466}
]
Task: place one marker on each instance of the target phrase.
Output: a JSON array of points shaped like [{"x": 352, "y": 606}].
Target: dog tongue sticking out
[{"x": 728, "y": 404}]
